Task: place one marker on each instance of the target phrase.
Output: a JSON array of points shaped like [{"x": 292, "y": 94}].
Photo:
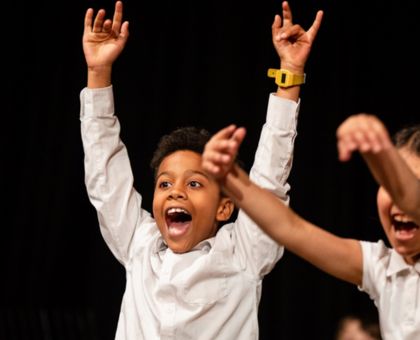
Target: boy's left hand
[
  {"x": 220, "y": 151},
  {"x": 291, "y": 41}
]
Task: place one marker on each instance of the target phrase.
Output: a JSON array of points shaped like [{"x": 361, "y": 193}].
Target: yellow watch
[{"x": 285, "y": 78}]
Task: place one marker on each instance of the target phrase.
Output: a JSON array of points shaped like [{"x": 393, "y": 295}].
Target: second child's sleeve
[
  {"x": 271, "y": 169},
  {"x": 108, "y": 175}
]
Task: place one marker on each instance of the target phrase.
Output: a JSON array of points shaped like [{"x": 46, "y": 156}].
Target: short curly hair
[{"x": 184, "y": 138}]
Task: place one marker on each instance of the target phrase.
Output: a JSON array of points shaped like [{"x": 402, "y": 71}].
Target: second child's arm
[
  {"x": 336, "y": 256},
  {"x": 368, "y": 135}
]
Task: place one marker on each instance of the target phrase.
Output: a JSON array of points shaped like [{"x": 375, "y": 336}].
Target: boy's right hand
[
  {"x": 364, "y": 133},
  {"x": 220, "y": 151},
  {"x": 104, "y": 39}
]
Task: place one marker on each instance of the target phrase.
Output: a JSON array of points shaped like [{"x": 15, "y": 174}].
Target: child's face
[
  {"x": 352, "y": 330},
  {"x": 187, "y": 203},
  {"x": 402, "y": 233}
]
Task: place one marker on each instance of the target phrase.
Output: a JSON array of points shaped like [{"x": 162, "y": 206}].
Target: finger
[
  {"x": 219, "y": 158},
  {"x": 373, "y": 133},
  {"x": 361, "y": 138},
  {"x": 368, "y": 132},
  {"x": 287, "y": 14},
  {"x": 124, "y": 31},
  {"x": 275, "y": 27},
  {"x": 239, "y": 134},
  {"x": 210, "y": 167},
  {"x": 291, "y": 31},
  {"x": 313, "y": 30},
  {"x": 117, "y": 19},
  {"x": 349, "y": 126},
  {"x": 222, "y": 145},
  {"x": 347, "y": 145},
  {"x": 380, "y": 134},
  {"x": 88, "y": 20},
  {"x": 215, "y": 146},
  {"x": 238, "y": 137},
  {"x": 356, "y": 133},
  {"x": 211, "y": 162},
  {"x": 99, "y": 20},
  {"x": 232, "y": 144},
  {"x": 225, "y": 133},
  {"x": 107, "y": 26},
  {"x": 344, "y": 153}
]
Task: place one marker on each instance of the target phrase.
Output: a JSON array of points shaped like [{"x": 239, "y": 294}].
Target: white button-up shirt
[
  {"x": 394, "y": 287},
  {"x": 211, "y": 292}
]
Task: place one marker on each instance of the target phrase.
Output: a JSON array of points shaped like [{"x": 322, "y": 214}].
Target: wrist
[
  {"x": 296, "y": 69},
  {"x": 285, "y": 78},
  {"x": 99, "y": 76}
]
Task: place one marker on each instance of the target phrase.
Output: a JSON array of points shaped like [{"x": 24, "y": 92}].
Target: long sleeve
[
  {"x": 274, "y": 155},
  {"x": 271, "y": 168},
  {"x": 108, "y": 175}
]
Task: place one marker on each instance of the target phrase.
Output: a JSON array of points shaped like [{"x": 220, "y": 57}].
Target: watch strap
[{"x": 285, "y": 78}]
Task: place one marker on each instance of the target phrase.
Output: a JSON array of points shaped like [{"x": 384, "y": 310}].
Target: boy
[
  {"x": 389, "y": 275},
  {"x": 187, "y": 277}
]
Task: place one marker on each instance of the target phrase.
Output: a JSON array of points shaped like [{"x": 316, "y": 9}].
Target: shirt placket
[
  {"x": 168, "y": 305},
  {"x": 410, "y": 298}
]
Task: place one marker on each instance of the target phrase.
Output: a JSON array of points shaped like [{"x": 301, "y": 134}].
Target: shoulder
[
  {"x": 147, "y": 237},
  {"x": 376, "y": 261},
  {"x": 374, "y": 251}
]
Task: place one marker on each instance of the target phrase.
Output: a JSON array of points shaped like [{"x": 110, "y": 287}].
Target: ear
[{"x": 225, "y": 209}]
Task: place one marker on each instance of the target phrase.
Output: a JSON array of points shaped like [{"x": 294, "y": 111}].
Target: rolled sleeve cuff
[
  {"x": 96, "y": 102},
  {"x": 278, "y": 112}
]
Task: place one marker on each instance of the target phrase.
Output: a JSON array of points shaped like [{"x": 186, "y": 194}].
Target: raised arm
[
  {"x": 337, "y": 256},
  {"x": 103, "y": 41},
  {"x": 293, "y": 45},
  {"x": 108, "y": 176},
  {"x": 274, "y": 155},
  {"x": 368, "y": 135}
]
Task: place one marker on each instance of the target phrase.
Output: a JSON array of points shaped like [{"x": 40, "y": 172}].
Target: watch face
[{"x": 283, "y": 78}]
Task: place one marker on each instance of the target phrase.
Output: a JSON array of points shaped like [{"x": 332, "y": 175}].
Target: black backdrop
[{"x": 187, "y": 63}]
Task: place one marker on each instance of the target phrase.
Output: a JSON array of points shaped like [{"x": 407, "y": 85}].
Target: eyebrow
[{"x": 188, "y": 172}]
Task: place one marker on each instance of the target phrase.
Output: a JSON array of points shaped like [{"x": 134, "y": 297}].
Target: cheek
[
  {"x": 156, "y": 204},
  {"x": 384, "y": 204}
]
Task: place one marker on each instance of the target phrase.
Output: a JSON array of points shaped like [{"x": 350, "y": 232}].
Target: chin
[
  {"x": 409, "y": 255},
  {"x": 178, "y": 248}
]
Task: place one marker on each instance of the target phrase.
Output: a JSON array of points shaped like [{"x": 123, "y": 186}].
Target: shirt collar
[
  {"x": 205, "y": 245},
  {"x": 397, "y": 264},
  {"x": 160, "y": 245}
]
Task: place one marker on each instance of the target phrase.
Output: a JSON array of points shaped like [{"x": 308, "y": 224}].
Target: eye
[
  {"x": 195, "y": 184},
  {"x": 164, "y": 184}
]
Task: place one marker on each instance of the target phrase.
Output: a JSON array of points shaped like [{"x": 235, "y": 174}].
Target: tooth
[
  {"x": 403, "y": 219},
  {"x": 177, "y": 210}
]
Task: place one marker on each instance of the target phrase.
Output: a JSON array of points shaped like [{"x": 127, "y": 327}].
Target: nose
[{"x": 177, "y": 193}]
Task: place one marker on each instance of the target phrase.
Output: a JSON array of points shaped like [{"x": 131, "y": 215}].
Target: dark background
[{"x": 198, "y": 63}]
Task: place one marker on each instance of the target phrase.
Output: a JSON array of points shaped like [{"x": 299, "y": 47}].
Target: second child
[{"x": 390, "y": 275}]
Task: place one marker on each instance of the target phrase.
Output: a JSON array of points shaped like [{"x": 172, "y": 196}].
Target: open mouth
[
  {"x": 404, "y": 228},
  {"x": 178, "y": 221}
]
